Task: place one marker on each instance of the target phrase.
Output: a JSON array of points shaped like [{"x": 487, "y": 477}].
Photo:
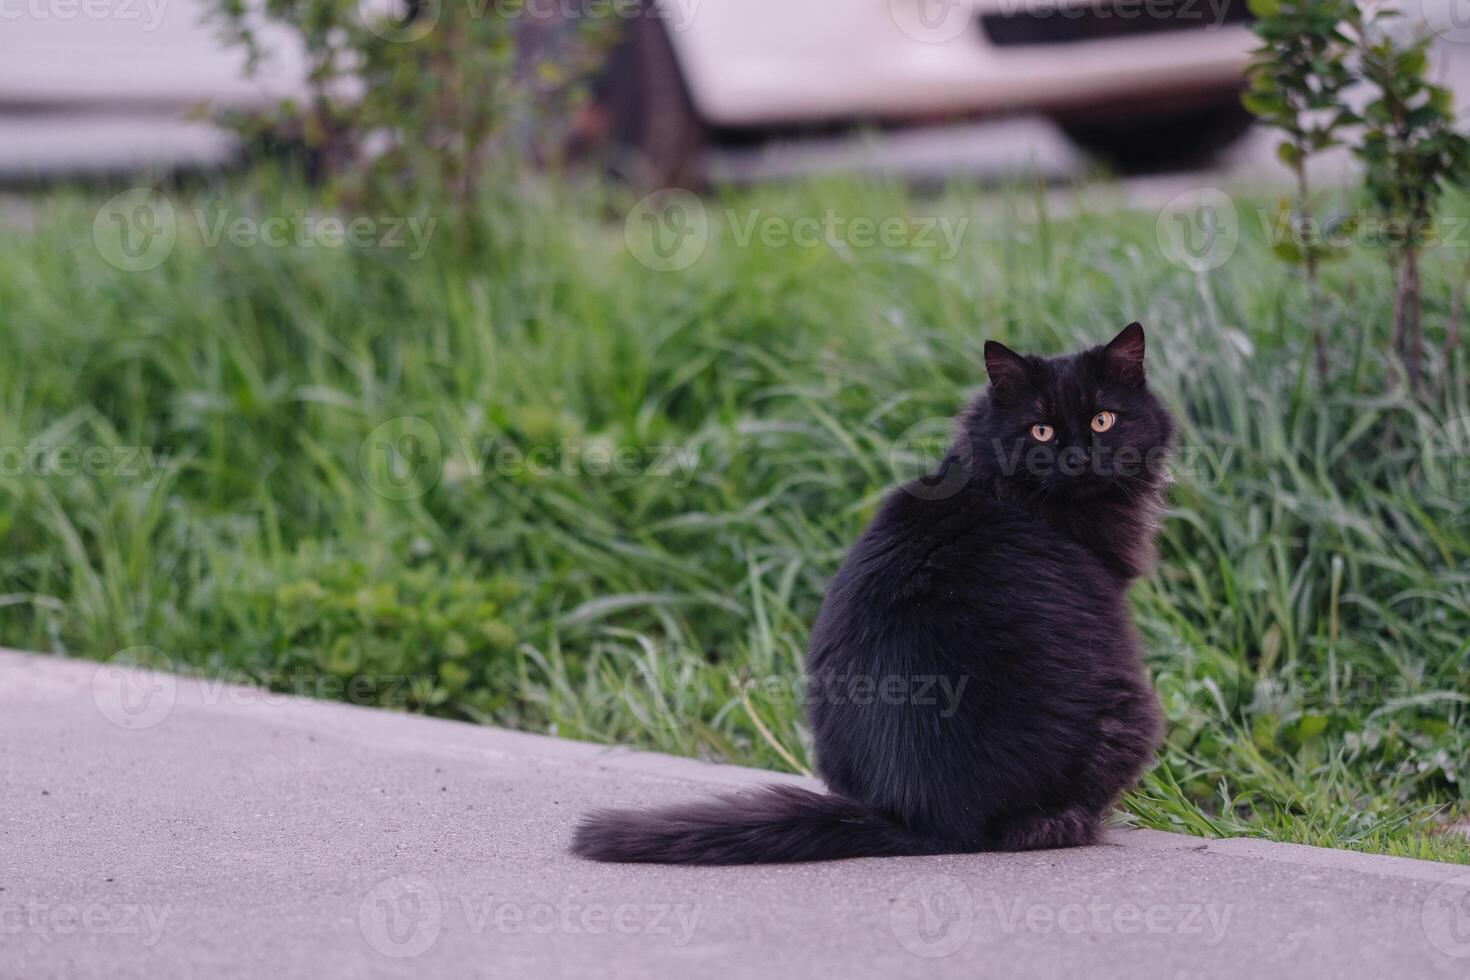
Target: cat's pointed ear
[
  {"x": 1124, "y": 355},
  {"x": 1006, "y": 368}
]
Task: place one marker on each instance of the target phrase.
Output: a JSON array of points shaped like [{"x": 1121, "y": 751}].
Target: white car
[
  {"x": 1142, "y": 81},
  {"x": 108, "y": 84}
]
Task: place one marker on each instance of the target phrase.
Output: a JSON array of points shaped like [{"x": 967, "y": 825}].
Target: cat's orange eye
[
  {"x": 1042, "y": 432},
  {"x": 1103, "y": 421}
]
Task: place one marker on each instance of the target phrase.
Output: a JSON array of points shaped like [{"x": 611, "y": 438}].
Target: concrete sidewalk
[{"x": 161, "y": 827}]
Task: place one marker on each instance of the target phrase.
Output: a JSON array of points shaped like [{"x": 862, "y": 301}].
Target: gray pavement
[{"x": 161, "y": 827}]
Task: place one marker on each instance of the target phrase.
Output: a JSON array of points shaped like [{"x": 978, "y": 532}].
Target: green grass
[{"x": 1308, "y": 628}]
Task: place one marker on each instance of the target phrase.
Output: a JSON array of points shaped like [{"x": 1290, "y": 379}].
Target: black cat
[{"x": 973, "y": 680}]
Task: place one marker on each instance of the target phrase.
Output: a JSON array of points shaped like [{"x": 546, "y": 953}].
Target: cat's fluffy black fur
[{"x": 1001, "y": 579}]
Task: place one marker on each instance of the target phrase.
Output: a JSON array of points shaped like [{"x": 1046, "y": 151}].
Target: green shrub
[{"x": 427, "y": 104}]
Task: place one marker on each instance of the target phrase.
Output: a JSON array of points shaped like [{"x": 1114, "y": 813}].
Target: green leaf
[
  {"x": 1413, "y": 62},
  {"x": 1289, "y": 252},
  {"x": 1310, "y": 727},
  {"x": 1261, "y": 104}
]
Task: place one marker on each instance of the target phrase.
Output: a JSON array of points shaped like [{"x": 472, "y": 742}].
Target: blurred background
[
  {"x": 333, "y": 360},
  {"x": 693, "y": 89}
]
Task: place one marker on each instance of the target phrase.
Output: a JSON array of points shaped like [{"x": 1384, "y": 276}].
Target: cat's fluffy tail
[{"x": 770, "y": 825}]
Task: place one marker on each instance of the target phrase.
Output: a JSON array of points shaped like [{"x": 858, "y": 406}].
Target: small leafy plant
[
  {"x": 1313, "y": 51},
  {"x": 422, "y": 99},
  {"x": 1297, "y": 77},
  {"x": 1410, "y": 151},
  {"x": 430, "y": 638}
]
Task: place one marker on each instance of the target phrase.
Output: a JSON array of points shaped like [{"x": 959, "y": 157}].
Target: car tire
[
  {"x": 654, "y": 136},
  {"x": 1180, "y": 139}
]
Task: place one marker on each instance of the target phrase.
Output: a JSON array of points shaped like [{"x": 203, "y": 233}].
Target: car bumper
[{"x": 881, "y": 73}]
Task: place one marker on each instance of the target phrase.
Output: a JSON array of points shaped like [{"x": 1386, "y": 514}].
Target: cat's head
[{"x": 1079, "y": 426}]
